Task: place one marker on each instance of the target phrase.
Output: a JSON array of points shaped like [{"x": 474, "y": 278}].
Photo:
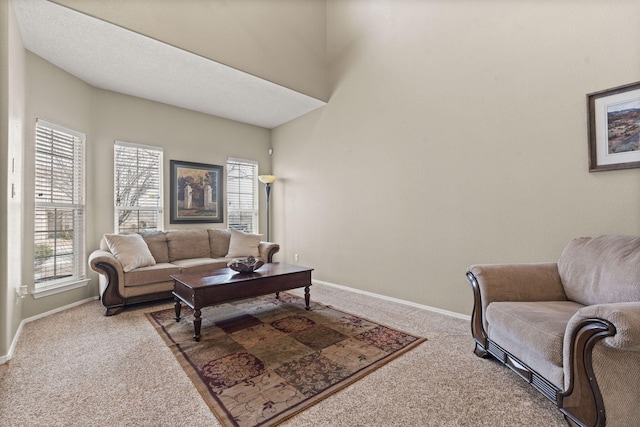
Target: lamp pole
[{"x": 267, "y": 180}]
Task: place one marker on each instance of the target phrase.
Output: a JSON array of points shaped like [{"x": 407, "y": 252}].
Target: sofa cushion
[
  {"x": 219, "y": 242},
  {"x": 198, "y": 265},
  {"x": 533, "y": 332},
  {"x": 147, "y": 289},
  {"x": 152, "y": 274},
  {"x": 130, "y": 249},
  {"x": 157, "y": 243},
  {"x": 243, "y": 244},
  {"x": 601, "y": 270},
  {"x": 185, "y": 244}
]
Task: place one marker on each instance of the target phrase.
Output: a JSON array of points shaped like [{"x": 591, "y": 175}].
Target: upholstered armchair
[{"x": 571, "y": 328}]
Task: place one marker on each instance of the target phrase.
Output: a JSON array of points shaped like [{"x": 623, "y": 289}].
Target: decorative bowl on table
[{"x": 248, "y": 265}]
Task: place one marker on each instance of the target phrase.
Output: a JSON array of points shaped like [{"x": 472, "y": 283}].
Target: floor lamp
[{"x": 267, "y": 180}]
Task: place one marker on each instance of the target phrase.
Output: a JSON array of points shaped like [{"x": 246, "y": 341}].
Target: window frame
[
  {"x": 254, "y": 212},
  {"x": 160, "y": 190},
  {"x": 77, "y": 206}
]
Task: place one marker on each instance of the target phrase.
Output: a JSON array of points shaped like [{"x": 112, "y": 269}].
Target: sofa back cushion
[
  {"x": 219, "y": 242},
  {"x": 157, "y": 243},
  {"x": 600, "y": 270},
  {"x": 242, "y": 245},
  {"x": 185, "y": 244}
]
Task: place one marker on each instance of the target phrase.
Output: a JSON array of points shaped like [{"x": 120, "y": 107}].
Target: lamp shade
[{"x": 267, "y": 179}]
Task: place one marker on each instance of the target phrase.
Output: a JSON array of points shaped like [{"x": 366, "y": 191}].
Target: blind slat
[
  {"x": 242, "y": 200},
  {"x": 59, "y": 211},
  {"x": 137, "y": 187}
]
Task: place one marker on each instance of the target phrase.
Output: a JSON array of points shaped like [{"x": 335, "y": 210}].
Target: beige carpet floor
[{"x": 79, "y": 368}]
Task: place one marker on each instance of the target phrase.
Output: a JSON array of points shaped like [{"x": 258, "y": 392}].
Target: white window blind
[
  {"x": 242, "y": 197},
  {"x": 59, "y": 206},
  {"x": 137, "y": 187}
]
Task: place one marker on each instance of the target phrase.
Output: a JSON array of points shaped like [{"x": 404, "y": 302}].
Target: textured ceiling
[{"x": 113, "y": 58}]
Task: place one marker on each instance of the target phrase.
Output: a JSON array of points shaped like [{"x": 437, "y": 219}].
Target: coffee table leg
[
  {"x": 177, "y": 307},
  {"x": 197, "y": 323},
  {"x": 307, "y": 298}
]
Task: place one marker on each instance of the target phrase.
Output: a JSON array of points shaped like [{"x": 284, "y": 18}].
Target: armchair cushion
[
  {"x": 533, "y": 332},
  {"x": 588, "y": 267},
  {"x": 131, "y": 250}
]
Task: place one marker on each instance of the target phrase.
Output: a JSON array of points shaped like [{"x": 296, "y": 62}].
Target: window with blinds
[
  {"x": 242, "y": 196},
  {"x": 137, "y": 187},
  {"x": 59, "y": 206}
]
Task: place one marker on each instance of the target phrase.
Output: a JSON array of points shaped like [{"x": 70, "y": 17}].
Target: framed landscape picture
[
  {"x": 196, "y": 192},
  {"x": 614, "y": 128}
]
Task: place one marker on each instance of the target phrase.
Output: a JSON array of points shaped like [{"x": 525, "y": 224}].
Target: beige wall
[
  {"x": 6, "y": 335},
  {"x": 184, "y": 135},
  {"x": 12, "y": 105},
  {"x": 56, "y": 96},
  {"x": 105, "y": 117},
  {"x": 456, "y": 133},
  {"x": 283, "y": 41}
]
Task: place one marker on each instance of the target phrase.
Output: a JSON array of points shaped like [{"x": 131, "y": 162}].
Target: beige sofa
[
  {"x": 571, "y": 328},
  {"x": 137, "y": 267}
]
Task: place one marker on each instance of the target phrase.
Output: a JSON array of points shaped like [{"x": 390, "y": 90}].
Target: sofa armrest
[
  {"x": 267, "y": 250},
  {"x": 100, "y": 256},
  {"x": 509, "y": 282},
  {"x": 103, "y": 262}
]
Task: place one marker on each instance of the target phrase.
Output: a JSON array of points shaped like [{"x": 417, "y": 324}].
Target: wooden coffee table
[{"x": 199, "y": 290}]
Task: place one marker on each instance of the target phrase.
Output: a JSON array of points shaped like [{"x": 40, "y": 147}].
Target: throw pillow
[
  {"x": 243, "y": 244},
  {"x": 130, "y": 249}
]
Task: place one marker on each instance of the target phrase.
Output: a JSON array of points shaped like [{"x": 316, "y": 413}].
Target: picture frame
[
  {"x": 196, "y": 192},
  {"x": 614, "y": 128}
]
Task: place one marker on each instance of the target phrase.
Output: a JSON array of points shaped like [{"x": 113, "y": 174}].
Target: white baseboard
[
  {"x": 4, "y": 359},
  {"x": 9, "y": 355},
  {"x": 400, "y": 301}
]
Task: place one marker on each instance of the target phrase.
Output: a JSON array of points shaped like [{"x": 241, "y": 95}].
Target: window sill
[{"x": 57, "y": 288}]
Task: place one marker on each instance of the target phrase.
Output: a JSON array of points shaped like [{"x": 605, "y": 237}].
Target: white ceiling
[{"x": 113, "y": 58}]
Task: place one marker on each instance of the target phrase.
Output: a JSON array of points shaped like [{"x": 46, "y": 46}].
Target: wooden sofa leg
[
  {"x": 111, "y": 311},
  {"x": 582, "y": 403}
]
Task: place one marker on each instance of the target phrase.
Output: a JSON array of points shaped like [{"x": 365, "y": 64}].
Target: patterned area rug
[{"x": 262, "y": 360}]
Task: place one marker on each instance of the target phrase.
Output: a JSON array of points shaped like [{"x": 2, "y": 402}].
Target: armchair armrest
[
  {"x": 518, "y": 282},
  {"x": 509, "y": 282},
  {"x": 624, "y": 316},
  {"x": 601, "y": 361},
  {"x": 267, "y": 250},
  {"x": 602, "y": 364}
]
